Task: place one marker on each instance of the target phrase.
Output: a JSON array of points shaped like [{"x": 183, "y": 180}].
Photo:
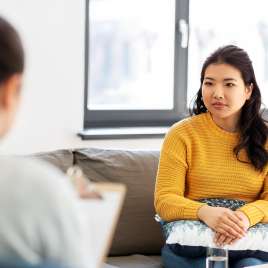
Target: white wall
[{"x": 51, "y": 111}]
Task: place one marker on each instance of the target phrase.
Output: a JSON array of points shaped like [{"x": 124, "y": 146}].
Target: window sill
[{"x": 122, "y": 133}]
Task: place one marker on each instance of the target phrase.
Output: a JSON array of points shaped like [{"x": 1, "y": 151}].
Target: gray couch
[{"x": 137, "y": 240}]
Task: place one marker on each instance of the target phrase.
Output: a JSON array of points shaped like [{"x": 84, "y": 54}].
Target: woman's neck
[{"x": 229, "y": 124}]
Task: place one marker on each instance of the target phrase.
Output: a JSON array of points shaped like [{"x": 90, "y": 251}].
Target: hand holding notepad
[
  {"x": 99, "y": 207},
  {"x": 102, "y": 216},
  {"x": 82, "y": 185}
]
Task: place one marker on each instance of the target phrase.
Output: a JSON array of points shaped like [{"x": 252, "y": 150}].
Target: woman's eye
[
  {"x": 230, "y": 84},
  {"x": 207, "y": 83}
]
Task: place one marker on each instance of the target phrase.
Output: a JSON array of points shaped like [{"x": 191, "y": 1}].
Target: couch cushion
[
  {"x": 62, "y": 159},
  {"x": 136, "y": 232}
]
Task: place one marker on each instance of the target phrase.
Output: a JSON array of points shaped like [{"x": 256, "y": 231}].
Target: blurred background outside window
[
  {"x": 216, "y": 23},
  {"x": 131, "y": 54}
]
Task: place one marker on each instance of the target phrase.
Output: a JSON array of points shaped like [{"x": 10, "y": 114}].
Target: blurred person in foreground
[{"x": 39, "y": 220}]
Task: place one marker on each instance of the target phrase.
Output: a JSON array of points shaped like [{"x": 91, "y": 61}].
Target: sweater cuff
[
  {"x": 254, "y": 214},
  {"x": 190, "y": 211}
]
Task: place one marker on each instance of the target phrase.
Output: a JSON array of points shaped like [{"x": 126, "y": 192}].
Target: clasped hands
[{"x": 229, "y": 226}]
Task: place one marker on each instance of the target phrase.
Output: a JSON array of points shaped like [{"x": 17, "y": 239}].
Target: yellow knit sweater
[{"x": 197, "y": 161}]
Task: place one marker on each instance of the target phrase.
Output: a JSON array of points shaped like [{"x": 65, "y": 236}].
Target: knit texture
[{"x": 197, "y": 161}]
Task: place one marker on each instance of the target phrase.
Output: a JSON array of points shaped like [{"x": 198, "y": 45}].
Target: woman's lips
[{"x": 218, "y": 105}]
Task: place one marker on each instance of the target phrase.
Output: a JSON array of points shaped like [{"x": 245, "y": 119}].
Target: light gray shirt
[{"x": 39, "y": 220}]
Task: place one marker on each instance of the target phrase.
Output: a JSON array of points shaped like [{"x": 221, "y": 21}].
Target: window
[
  {"x": 217, "y": 23},
  {"x": 136, "y": 59},
  {"x": 138, "y": 72}
]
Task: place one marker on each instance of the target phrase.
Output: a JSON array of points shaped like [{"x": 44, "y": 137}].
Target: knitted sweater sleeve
[
  {"x": 257, "y": 211},
  {"x": 169, "y": 200}
]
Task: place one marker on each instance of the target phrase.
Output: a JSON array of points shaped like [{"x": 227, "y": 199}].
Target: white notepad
[{"x": 101, "y": 217}]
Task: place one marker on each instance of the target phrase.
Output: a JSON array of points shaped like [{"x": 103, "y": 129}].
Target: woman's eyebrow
[
  {"x": 225, "y": 79},
  {"x": 229, "y": 79}
]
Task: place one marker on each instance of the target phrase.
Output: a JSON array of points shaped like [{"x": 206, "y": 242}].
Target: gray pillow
[
  {"x": 136, "y": 232},
  {"x": 61, "y": 159}
]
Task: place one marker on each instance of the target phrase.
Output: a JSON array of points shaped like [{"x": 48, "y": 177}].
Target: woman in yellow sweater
[{"x": 218, "y": 152}]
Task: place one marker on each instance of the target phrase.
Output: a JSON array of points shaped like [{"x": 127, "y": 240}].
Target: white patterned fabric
[{"x": 196, "y": 233}]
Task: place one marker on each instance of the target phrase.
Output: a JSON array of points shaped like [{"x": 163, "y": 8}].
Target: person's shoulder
[
  {"x": 28, "y": 168},
  {"x": 32, "y": 176},
  {"x": 187, "y": 124}
]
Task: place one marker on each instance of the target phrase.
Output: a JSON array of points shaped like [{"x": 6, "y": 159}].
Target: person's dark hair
[
  {"x": 11, "y": 51},
  {"x": 252, "y": 127}
]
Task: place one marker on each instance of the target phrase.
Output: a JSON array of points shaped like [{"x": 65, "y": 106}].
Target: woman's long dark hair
[
  {"x": 11, "y": 51},
  {"x": 252, "y": 127}
]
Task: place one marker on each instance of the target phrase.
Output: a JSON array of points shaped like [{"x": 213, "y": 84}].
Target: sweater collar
[{"x": 219, "y": 131}]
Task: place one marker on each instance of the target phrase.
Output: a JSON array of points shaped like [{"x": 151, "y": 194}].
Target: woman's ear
[{"x": 249, "y": 90}]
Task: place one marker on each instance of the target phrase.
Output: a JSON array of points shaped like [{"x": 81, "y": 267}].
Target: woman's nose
[{"x": 218, "y": 93}]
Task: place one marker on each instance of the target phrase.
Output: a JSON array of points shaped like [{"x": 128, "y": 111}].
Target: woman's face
[{"x": 224, "y": 91}]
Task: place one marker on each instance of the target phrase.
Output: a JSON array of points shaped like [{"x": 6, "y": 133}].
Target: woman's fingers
[
  {"x": 221, "y": 240},
  {"x": 223, "y": 231},
  {"x": 236, "y": 228},
  {"x": 230, "y": 224},
  {"x": 237, "y": 221},
  {"x": 227, "y": 240},
  {"x": 228, "y": 231}
]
